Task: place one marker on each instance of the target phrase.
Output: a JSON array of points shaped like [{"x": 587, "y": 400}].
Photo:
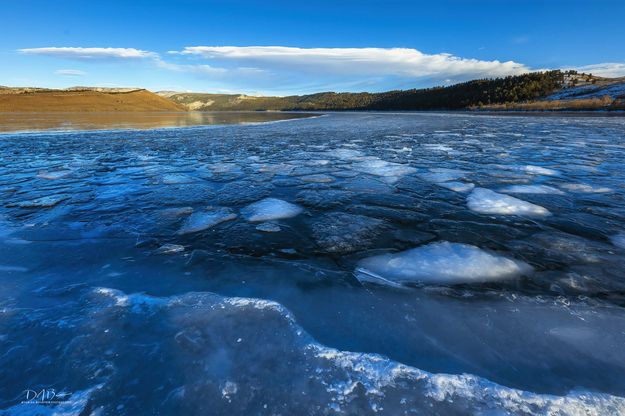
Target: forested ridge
[{"x": 475, "y": 93}]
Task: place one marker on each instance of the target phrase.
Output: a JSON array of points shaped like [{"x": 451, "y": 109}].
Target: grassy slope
[{"x": 14, "y": 100}]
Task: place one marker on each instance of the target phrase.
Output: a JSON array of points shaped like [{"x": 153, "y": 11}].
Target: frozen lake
[{"x": 344, "y": 264}]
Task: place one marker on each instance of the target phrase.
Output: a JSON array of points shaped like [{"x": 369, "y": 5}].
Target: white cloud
[
  {"x": 286, "y": 70},
  {"x": 70, "y": 72},
  {"x": 90, "y": 53},
  {"x": 609, "y": 70},
  {"x": 193, "y": 68},
  {"x": 401, "y": 62}
]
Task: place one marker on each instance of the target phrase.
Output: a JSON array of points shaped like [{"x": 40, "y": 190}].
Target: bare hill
[{"x": 83, "y": 100}]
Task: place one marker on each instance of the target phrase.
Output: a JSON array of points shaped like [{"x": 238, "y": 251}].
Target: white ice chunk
[
  {"x": 539, "y": 170},
  {"x": 176, "y": 179},
  {"x": 485, "y": 201},
  {"x": 203, "y": 220},
  {"x": 440, "y": 263},
  {"x": 346, "y": 154},
  {"x": 618, "y": 240},
  {"x": 532, "y": 189},
  {"x": 270, "y": 209},
  {"x": 457, "y": 186},
  {"x": 169, "y": 248},
  {"x": 276, "y": 169},
  {"x": 316, "y": 162},
  {"x": 438, "y": 175},
  {"x": 52, "y": 175},
  {"x": 439, "y": 147},
  {"x": 224, "y": 167},
  {"x": 43, "y": 202},
  {"x": 379, "y": 167},
  {"x": 587, "y": 189},
  {"x": 528, "y": 169},
  {"x": 318, "y": 178}
]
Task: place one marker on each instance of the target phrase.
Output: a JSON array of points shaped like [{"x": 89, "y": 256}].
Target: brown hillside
[{"x": 44, "y": 100}]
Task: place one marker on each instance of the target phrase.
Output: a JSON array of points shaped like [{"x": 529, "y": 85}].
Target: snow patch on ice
[
  {"x": 270, "y": 209},
  {"x": 379, "y": 167},
  {"x": 485, "y": 201},
  {"x": 464, "y": 393},
  {"x": 256, "y": 304},
  {"x": 137, "y": 302},
  {"x": 440, "y": 263},
  {"x": 200, "y": 221},
  {"x": 539, "y": 170},
  {"x": 169, "y": 248}
]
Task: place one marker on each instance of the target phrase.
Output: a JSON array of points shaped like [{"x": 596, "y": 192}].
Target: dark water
[
  {"x": 345, "y": 264},
  {"x": 140, "y": 120}
]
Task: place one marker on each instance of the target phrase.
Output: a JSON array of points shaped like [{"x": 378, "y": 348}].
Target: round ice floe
[
  {"x": 203, "y": 220},
  {"x": 532, "y": 189},
  {"x": 539, "y": 170},
  {"x": 486, "y": 201},
  {"x": 379, "y": 167},
  {"x": 270, "y": 209},
  {"x": 440, "y": 263}
]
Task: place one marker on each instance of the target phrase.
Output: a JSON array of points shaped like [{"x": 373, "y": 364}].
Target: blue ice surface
[{"x": 135, "y": 277}]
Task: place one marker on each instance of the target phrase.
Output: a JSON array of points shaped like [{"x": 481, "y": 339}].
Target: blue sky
[{"x": 288, "y": 47}]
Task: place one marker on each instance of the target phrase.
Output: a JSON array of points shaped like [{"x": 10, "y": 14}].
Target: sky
[{"x": 298, "y": 47}]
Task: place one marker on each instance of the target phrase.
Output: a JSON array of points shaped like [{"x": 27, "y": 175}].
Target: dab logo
[{"x": 44, "y": 396}]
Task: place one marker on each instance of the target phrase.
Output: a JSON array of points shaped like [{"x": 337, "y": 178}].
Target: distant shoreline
[{"x": 546, "y": 92}]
